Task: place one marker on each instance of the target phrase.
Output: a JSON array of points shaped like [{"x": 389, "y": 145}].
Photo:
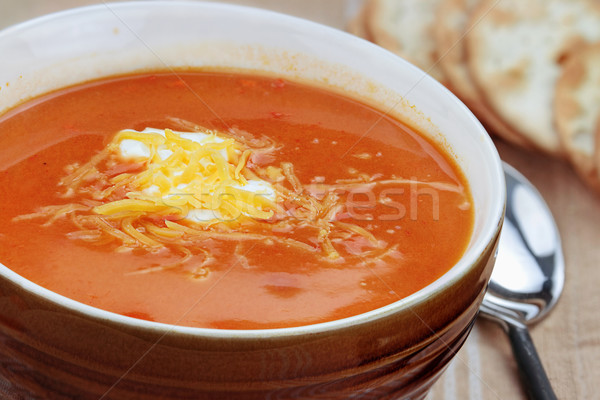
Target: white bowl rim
[{"x": 469, "y": 259}]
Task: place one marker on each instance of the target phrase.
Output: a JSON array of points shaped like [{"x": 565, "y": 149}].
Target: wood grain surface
[{"x": 568, "y": 340}]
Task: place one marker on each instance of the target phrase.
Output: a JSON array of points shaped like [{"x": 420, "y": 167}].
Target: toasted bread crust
[
  {"x": 405, "y": 28},
  {"x": 577, "y": 108},
  {"x": 514, "y": 57},
  {"x": 358, "y": 25},
  {"x": 450, "y": 30},
  {"x": 596, "y": 183}
]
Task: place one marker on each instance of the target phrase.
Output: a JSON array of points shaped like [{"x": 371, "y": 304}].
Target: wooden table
[{"x": 568, "y": 340}]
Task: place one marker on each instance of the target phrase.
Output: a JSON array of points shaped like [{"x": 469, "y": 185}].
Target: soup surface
[{"x": 221, "y": 200}]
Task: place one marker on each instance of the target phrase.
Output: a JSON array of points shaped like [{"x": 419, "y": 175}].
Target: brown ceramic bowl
[{"x": 52, "y": 347}]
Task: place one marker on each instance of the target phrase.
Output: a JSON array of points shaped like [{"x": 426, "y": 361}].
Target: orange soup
[{"x": 221, "y": 200}]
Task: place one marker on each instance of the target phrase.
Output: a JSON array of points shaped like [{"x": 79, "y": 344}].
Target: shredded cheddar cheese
[
  {"x": 166, "y": 189},
  {"x": 197, "y": 175}
]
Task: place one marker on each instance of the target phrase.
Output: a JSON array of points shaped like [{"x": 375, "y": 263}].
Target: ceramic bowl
[{"x": 52, "y": 347}]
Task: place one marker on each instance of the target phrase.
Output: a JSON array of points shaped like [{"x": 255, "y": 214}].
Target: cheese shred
[{"x": 162, "y": 189}]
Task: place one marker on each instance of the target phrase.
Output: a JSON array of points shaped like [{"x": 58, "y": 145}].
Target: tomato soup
[{"x": 222, "y": 200}]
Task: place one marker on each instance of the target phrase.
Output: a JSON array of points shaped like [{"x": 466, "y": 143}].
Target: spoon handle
[{"x": 530, "y": 366}]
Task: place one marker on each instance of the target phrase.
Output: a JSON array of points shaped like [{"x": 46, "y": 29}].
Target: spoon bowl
[{"x": 528, "y": 277}]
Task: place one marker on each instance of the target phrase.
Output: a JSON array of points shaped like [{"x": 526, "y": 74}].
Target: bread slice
[
  {"x": 596, "y": 181},
  {"x": 451, "y": 27},
  {"x": 405, "y": 28},
  {"x": 514, "y": 54},
  {"x": 358, "y": 25},
  {"x": 577, "y": 108},
  {"x": 449, "y": 30}
]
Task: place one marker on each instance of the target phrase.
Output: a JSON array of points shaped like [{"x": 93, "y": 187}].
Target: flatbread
[
  {"x": 450, "y": 30},
  {"x": 358, "y": 25},
  {"x": 514, "y": 54},
  {"x": 577, "y": 108},
  {"x": 597, "y": 155},
  {"x": 405, "y": 28}
]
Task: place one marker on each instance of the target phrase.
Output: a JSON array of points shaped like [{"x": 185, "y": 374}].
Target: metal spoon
[{"x": 528, "y": 277}]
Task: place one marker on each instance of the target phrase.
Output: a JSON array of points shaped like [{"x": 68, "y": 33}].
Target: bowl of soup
[{"x": 205, "y": 201}]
